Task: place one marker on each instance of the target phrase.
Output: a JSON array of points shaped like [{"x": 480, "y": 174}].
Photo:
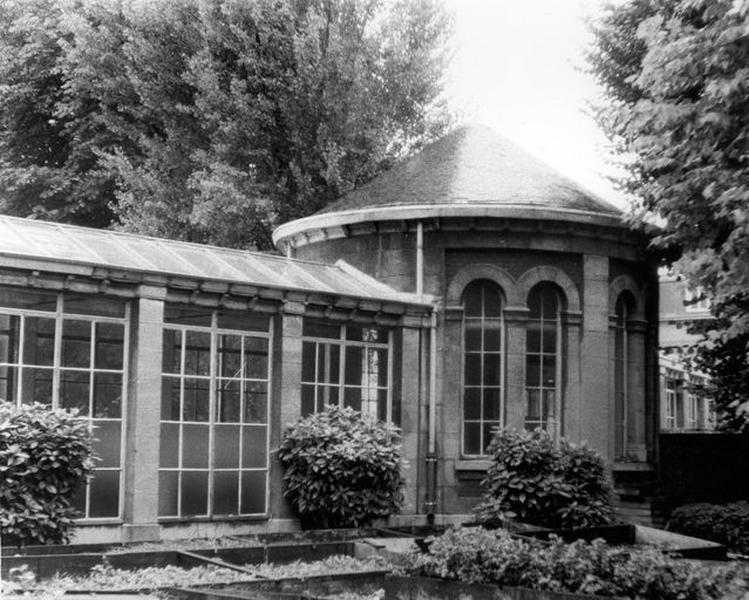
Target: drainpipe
[
  {"x": 420, "y": 258},
  {"x": 430, "y": 503}
]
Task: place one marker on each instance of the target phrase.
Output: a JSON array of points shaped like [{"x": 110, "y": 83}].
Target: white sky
[{"x": 516, "y": 69}]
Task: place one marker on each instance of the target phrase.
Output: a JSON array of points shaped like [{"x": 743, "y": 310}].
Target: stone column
[
  {"x": 596, "y": 412},
  {"x": 141, "y": 461},
  {"x": 635, "y": 377},
  {"x": 286, "y": 395},
  {"x": 516, "y": 318},
  {"x": 412, "y": 395}
]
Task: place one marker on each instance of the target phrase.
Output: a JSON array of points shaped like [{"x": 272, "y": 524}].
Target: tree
[
  {"x": 675, "y": 76},
  {"x": 212, "y": 120}
]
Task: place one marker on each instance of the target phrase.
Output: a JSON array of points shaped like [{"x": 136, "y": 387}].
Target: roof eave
[{"x": 329, "y": 220}]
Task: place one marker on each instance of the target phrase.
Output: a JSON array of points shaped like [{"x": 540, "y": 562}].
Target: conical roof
[
  {"x": 471, "y": 172},
  {"x": 473, "y": 165}
]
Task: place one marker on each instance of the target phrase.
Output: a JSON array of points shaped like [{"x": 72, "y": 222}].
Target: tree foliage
[
  {"x": 676, "y": 85},
  {"x": 210, "y": 120}
]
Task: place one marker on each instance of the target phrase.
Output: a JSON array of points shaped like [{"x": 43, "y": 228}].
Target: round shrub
[
  {"x": 45, "y": 455},
  {"x": 341, "y": 469},
  {"x": 533, "y": 480},
  {"x": 727, "y": 524}
]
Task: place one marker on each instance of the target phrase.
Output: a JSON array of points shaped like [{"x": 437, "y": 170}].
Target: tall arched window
[
  {"x": 623, "y": 312},
  {"x": 543, "y": 359},
  {"x": 483, "y": 373}
]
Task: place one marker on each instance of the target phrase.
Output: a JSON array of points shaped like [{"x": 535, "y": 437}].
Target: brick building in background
[
  {"x": 470, "y": 286},
  {"x": 683, "y": 408}
]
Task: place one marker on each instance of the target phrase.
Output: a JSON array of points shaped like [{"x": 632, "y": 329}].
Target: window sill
[
  {"x": 178, "y": 520},
  {"x": 474, "y": 464},
  {"x": 91, "y": 522}
]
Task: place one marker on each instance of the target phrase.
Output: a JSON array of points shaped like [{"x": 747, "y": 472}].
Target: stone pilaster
[
  {"x": 571, "y": 385},
  {"x": 143, "y": 417},
  {"x": 635, "y": 376},
  {"x": 596, "y": 419},
  {"x": 516, "y": 318}
]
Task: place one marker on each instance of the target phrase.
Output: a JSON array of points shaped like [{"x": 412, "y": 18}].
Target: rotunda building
[{"x": 545, "y": 309}]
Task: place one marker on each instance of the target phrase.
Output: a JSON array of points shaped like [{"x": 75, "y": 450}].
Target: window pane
[
  {"x": 331, "y": 394},
  {"x": 488, "y": 432},
  {"x": 357, "y": 333},
  {"x": 532, "y": 370},
  {"x": 550, "y": 303},
  {"x": 10, "y": 328},
  {"x": 225, "y": 493},
  {"x": 473, "y": 335},
  {"x": 317, "y": 329},
  {"x": 473, "y": 300},
  {"x": 548, "y": 407},
  {"x": 472, "y": 369},
  {"x": 227, "y": 447},
  {"x": 105, "y": 495},
  {"x": 31, "y": 300},
  {"x": 74, "y": 391},
  {"x": 253, "y": 492},
  {"x": 197, "y": 353},
  {"x": 256, "y": 358},
  {"x": 255, "y": 402},
  {"x": 168, "y": 485},
  {"x": 254, "y": 446},
  {"x": 534, "y": 405},
  {"x": 492, "y": 335},
  {"x": 334, "y": 370},
  {"x": 354, "y": 364},
  {"x": 535, "y": 303},
  {"x": 309, "y": 351},
  {"x": 228, "y": 401},
  {"x": 169, "y": 445},
  {"x": 550, "y": 337},
  {"x": 109, "y": 346},
  {"x": 107, "y": 395},
  {"x": 195, "y": 446},
  {"x": 37, "y": 385},
  {"x": 492, "y": 300},
  {"x": 39, "y": 341},
  {"x": 491, "y": 369},
  {"x": 78, "y": 501},
  {"x": 8, "y": 383},
  {"x": 76, "y": 343},
  {"x": 170, "y": 398},
  {"x": 382, "y": 369},
  {"x": 308, "y": 399},
  {"x": 188, "y": 315},
  {"x": 230, "y": 355},
  {"x": 550, "y": 371},
  {"x": 245, "y": 321},
  {"x": 472, "y": 438},
  {"x": 352, "y": 398},
  {"x": 194, "y": 490},
  {"x": 107, "y": 443},
  {"x": 170, "y": 362},
  {"x": 382, "y": 405},
  {"x": 491, "y": 405},
  {"x": 472, "y": 404},
  {"x": 196, "y": 400}
]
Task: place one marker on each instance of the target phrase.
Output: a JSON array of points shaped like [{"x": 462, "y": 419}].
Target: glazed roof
[
  {"x": 27, "y": 243},
  {"x": 473, "y": 165},
  {"x": 471, "y": 172}
]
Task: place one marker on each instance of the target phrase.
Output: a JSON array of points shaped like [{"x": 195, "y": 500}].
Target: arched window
[
  {"x": 543, "y": 359},
  {"x": 624, "y": 308},
  {"x": 483, "y": 376}
]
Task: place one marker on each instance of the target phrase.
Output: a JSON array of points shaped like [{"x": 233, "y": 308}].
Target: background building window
[
  {"x": 542, "y": 364},
  {"x": 69, "y": 351},
  {"x": 670, "y": 416},
  {"x": 347, "y": 365},
  {"x": 483, "y": 372},
  {"x": 214, "y": 413}
]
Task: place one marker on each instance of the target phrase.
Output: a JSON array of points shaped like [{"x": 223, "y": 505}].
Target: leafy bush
[
  {"x": 727, "y": 524},
  {"x": 44, "y": 455},
  {"x": 534, "y": 481},
  {"x": 340, "y": 469},
  {"x": 476, "y": 555}
]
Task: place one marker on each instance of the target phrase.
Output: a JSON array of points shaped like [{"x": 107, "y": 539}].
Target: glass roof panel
[{"x": 53, "y": 241}]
